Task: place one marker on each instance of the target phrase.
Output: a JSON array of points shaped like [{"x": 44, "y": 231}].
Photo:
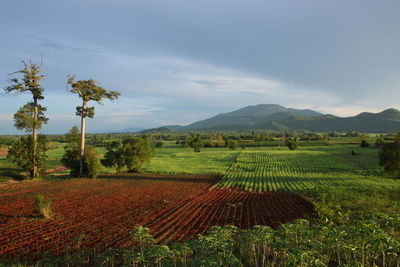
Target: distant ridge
[{"x": 278, "y": 118}]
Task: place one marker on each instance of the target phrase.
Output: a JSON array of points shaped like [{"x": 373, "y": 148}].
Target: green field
[{"x": 355, "y": 182}]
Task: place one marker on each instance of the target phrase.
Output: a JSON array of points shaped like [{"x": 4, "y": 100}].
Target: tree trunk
[
  {"x": 34, "y": 133},
  {"x": 82, "y": 152}
]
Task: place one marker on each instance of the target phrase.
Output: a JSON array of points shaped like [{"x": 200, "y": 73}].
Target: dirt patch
[{"x": 3, "y": 151}]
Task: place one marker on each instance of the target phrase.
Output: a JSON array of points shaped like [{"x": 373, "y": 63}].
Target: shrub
[
  {"x": 196, "y": 143},
  {"x": 159, "y": 144},
  {"x": 91, "y": 164},
  {"x": 292, "y": 143},
  {"x": 364, "y": 144},
  {"x": 389, "y": 157},
  {"x": 232, "y": 144},
  {"x": 21, "y": 153},
  {"x": 42, "y": 207}
]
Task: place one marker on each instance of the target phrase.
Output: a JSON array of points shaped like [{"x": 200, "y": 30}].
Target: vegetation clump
[
  {"x": 196, "y": 143},
  {"x": 292, "y": 143},
  {"x": 22, "y": 154},
  {"x": 130, "y": 154},
  {"x": 364, "y": 143},
  {"x": 42, "y": 207},
  {"x": 389, "y": 157},
  {"x": 72, "y": 160},
  {"x": 91, "y": 165}
]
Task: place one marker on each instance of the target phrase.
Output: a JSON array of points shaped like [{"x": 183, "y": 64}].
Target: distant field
[{"x": 184, "y": 160}]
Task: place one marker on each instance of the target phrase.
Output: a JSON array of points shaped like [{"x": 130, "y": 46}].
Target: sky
[{"x": 180, "y": 61}]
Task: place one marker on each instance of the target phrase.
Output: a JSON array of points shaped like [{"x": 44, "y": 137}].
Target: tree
[
  {"x": 30, "y": 117},
  {"x": 88, "y": 90},
  {"x": 232, "y": 144},
  {"x": 389, "y": 157},
  {"x": 364, "y": 143},
  {"x": 90, "y": 163},
  {"x": 220, "y": 141},
  {"x": 136, "y": 151},
  {"x": 131, "y": 153},
  {"x": 72, "y": 137},
  {"x": 114, "y": 156},
  {"x": 22, "y": 154},
  {"x": 379, "y": 142},
  {"x": 71, "y": 157},
  {"x": 292, "y": 143},
  {"x": 196, "y": 143},
  {"x": 159, "y": 144}
]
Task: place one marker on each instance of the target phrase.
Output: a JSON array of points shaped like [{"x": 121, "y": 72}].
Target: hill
[{"x": 278, "y": 118}]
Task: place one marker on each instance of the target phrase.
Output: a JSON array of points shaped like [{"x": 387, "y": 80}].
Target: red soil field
[
  {"x": 228, "y": 206},
  {"x": 101, "y": 213}
]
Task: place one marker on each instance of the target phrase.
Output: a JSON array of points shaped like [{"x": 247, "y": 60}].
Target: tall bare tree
[
  {"x": 88, "y": 90},
  {"x": 30, "y": 117}
]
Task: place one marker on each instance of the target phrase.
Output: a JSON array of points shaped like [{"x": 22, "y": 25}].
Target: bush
[
  {"x": 196, "y": 143},
  {"x": 159, "y": 144},
  {"x": 292, "y": 143},
  {"x": 21, "y": 153},
  {"x": 232, "y": 144},
  {"x": 389, "y": 157},
  {"x": 379, "y": 142},
  {"x": 91, "y": 164},
  {"x": 364, "y": 144},
  {"x": 132, "y": 154},
  {"x": 42, "y": 207}
]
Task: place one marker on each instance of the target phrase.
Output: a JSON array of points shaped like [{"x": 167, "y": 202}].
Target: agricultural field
[
  {"x": 182, "y": 194},
  {"x": 87, "y": 212}
]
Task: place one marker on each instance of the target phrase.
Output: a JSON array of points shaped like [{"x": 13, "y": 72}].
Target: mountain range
[{"x": 278, "y": 118}]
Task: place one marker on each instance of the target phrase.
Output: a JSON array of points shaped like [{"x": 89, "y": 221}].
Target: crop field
[
  {"x": 283, "y": 170},
  {"x": 91, "y": 213},
  {"x": 244, "y": 187},
  {"x": 228, "y": 207}
]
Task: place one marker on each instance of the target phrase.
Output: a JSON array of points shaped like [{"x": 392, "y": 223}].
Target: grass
[
  {"x": 354, "y": 182},
  {"x": 184, "y": 160}
]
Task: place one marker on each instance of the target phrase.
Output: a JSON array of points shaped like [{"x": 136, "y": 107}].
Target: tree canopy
[
  {"x": 389, "y": 157},
  {"x": 131, "y": 154}
]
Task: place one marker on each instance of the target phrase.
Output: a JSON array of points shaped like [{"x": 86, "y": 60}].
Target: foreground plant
[{"x": 42, "y": 207}]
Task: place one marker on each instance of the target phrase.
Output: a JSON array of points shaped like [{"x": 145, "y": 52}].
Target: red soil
[
  {"x": 101, "y": 213},
  {"x": 3, "y": 151},
  {"x": 228, "y": 207}
]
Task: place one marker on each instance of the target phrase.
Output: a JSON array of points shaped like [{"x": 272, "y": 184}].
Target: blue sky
[{"x": 180, "y": 61}]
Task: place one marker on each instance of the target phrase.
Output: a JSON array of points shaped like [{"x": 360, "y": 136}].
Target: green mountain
[
  {"x": 250, "y": 117},
  {"x": 279, "y": 118}
]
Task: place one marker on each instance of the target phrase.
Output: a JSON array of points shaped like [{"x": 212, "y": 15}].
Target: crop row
[
  {"x": 228, "y": 206},
  {"x": 89, "y": 213},
  {"x": 282, "y": 170}
]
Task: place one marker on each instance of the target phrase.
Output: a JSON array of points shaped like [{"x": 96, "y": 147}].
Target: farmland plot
[
  {"x": 95, "y": 213},
  {"x": 228, "y": 207},
  {"x": 285, "y": 170}
]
